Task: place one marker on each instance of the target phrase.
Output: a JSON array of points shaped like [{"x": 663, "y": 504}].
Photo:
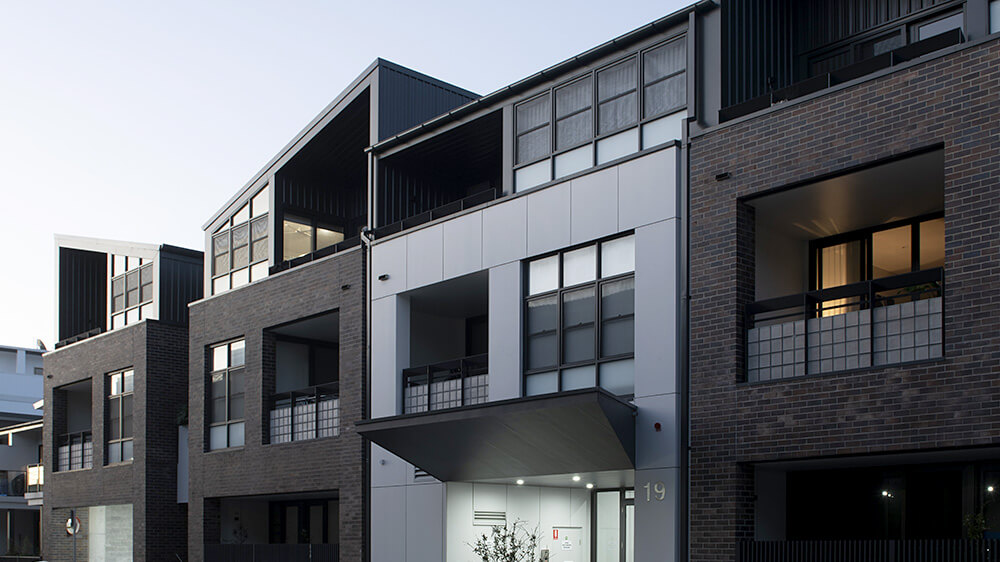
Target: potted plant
[{"x": 507, "y": 543}]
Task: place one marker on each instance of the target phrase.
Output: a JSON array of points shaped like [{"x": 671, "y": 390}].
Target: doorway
[{"x": 613, "y": 521}]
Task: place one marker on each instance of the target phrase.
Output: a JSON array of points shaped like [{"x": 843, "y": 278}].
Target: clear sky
[{"x": 137, "y": 120}]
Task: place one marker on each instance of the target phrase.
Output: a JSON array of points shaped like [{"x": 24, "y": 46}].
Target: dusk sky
[{"x": 137, "y": 120}]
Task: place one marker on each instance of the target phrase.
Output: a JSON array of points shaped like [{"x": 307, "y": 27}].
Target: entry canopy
[{"x": 577, "y": 431}]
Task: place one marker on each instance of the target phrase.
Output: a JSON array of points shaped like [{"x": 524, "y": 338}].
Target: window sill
[
  {"x": 120, "y": 463},
  {"x": 72, "y": 470},
  {"x": 226, "y": 450}
]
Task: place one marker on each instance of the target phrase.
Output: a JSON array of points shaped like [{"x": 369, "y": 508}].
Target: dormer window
[
  {"x": 131, "y": 290},
  {"x": 239, "y": 248}
]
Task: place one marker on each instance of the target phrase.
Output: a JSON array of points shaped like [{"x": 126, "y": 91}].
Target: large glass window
[
  {"x": 240, "y": 248},
  {"x": 302, "y": 236},
  {"x": 558, "y": 133},
  {"x": 119, "y": 416},
  {"x": 131, "y": 290},
  {"x": 995, "y": 16},
  {"x": 580, "y": 319},
  {"x": 226, "y": 395}
]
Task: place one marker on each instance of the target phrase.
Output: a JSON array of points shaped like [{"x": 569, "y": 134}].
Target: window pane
[
  {"x": 258, "y": 228},
  {"x": 118, "y": 266},
  {"x": 932, "y": 244},
  {"x": 618, "y": 377},
  {"x": 574, "y": 130},
  {"x": 114, "y": 453},
  {"x": 115, "y": 386},
  {"x": 241, "y": 235},
  {"x": 542, "y": 323},
  {"x": 132, "y": 288},
  {"x": 127, "y": 450},
  {"x": 533, "y": 145},
  {"x": 530, "y": 176},
  {"x": 128, "y": 381},
  {"x": 241, "y": 257},
  {"x": 578, "y": 325},
  {"x": 617, "y": 114},
  {"x": 891, "y": 252},
  {"x": 841, "y": 264},
  {"x": 663, "y": 129},
  {"x": 118, "y": 286},
  {"x": 220, "y": 284},
  {"x": 574, "y": 97},
  {"x": 616, "y": 80},
  {"x": 146, "y": 275},
  {"x": 533, "y": 113},
  {"x": 117, "y": 321},
  {"x": 220, "y": 357},
  {"x": 618, "y": 256},
  {"x": 259, "y": 251},
  {"x": 236, "y": 395},
  {"x": 217, "y": 437},
  {"x": 243, "y": 215},
  {"x": 579, "y": 266},
  {"x": 665, "y": 96},
  {"x": 260, "y": 203},
  {"x": 146, "y": 295},
  {"x": 995, "y": 16},
  {"x": 238, "y": 353},
  {"x": 218, "y": 394},
  {"x": 327, "y": 237},
  {"x": 298, "y": 235},
  {"x": 541, "y": 383},
  {"x": 240, "y": 277},
  {"x": 132, "y": 316},
  {"x": 132, "y": 297},
  {"x": 236, "y": 434},
  {"x": 220, "y": 249},
  {"x": 114, "y": 418},
  {"x": 940, "y": 26},
  {"x": 543, "y": 275},
  {"x": 608, "y": 530},
  {"x": 126, "y": 416},
  {"x": 618, "y": 317},
  {"x": 574, "y": 161},
  {"x": 616, "y": 146},
  {"x": 258, "y": 271},
  {"x": 579, "y": 377},
  {"x": 663, "y": 61}
]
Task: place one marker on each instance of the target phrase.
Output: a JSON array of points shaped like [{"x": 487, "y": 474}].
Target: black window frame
[
  {"x": 253, "y": 259},
  {"x": 641, "y": 119},
  {"x": 597, "y": 283},
  {"x": 145, "y": 267},
  {"x": 314, "y": 223},
  {"x": 117, "y": 402},
  {"x": 227, "y": 374}
]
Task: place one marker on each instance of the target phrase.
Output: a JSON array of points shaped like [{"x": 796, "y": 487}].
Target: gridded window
[
  {"x": 580, "y": 319},
  {"x": 226, "y": 395},
  {"x": 131, "y": 290},
  {"x": 532, "y": 119},
  {"x": 616, "y": 97},
  {"x": 240, "y": 248},
  {"x": 574, "y": 116},
  {"x": 664, "y": 81},
  {"x": 119, "y": 416},
  {"x": 301, "y": 236}
]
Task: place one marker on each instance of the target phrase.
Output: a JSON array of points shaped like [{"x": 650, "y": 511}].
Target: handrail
[
  {"x": 81, "y": 439},
  {"x": 36, "y": 477},
  {"x": 453, "y": 207},
  {"x": 419, "y": 383},
  {"x": 324, "y": 423}
]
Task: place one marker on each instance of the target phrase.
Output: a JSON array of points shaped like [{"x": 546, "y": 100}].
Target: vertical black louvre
[
  {"x": 82, "y": 292},
  {"x": 181, "y": 282}
]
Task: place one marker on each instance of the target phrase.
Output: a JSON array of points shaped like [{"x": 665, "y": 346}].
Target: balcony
[
  {"x": 76, "y": 451},
  {"x": 930, "y": 550},
  {"x": 12, "y": 483},
  {"x": 309, "y": 413},
  {"x": 886, "y": 321},
  {"x": 36, "y": 478},
  {"x": 448, "y": 384},
  {"x": 272, "y": 552}
]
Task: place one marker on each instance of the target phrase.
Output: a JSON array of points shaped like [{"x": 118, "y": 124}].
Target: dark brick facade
[
  {"x": 319, "y": 465},
  {"x": 952, "y": 101},
  {"x": 158, "y": 354}
]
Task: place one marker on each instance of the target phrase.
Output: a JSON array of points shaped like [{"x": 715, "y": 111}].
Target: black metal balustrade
[
  {"x": 309, "y": 413},
  {"x": 448, "y": 384},
  {"x": 12, "y": 483},
  {"x": 272, "y": 552},
  {"x": 931, "y": 550},
  {"x": 881, "y": 322},
  {"x": 35, "y": 474},
  {"x": 76, "y": 451}
]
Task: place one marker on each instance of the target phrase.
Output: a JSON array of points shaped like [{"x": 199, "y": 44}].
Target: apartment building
[
  {"x": 844, "y": 264},
  {"x": 277, "y": 347},
  {"x": 115, "y": 400},
  {"x": 21, "y": 475}
]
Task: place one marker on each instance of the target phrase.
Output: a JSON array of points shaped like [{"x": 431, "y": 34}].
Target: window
[
  {"x": 928, "y": 29},
  {"x": 239, "y": 248},
  {"x": 226, "y": 395},
  {"x": 592, "y": 119},
  {"x": 302, "y": 236},
  {"x": 119, "y": 416},
  {"x": 131, "y": 290},
  {"x": 580, "y": 319},
  {"x": 995, "y": 16}
]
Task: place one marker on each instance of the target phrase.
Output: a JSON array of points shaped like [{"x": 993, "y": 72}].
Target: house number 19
[{"x": 656, "y": 491}]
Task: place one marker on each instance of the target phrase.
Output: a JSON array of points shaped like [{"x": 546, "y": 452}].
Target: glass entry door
[{"x": 614, "y": 523}]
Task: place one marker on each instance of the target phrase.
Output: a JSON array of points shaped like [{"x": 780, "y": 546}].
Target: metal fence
[
  {"x": 449, "y": 384},
  {"x": 937, "y": 550},
  {"x": 76, "y": 451},
  {"x": 12, "y": 483},
  {"x": 272, "y": 552},
  {"x": 304, "y": 414}
]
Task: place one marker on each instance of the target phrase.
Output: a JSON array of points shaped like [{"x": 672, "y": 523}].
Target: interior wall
[
  {"x": 543, "y": 508},
  {"x": 435, "y": 338},
  {"x": 250, "y": 514},
  {"x": 771, "y": 507},
  {"x": 782, "y": 263},
  {"x": 291, "y": 366},
  {"x": 78, "y": 412}
]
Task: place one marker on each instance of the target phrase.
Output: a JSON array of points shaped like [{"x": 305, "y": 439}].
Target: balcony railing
[
  {"x": 309, "y": 413},
  {"x": 12, "y": 483},
  {"x": 882, "y": 322},
  {"x": 272, "y": 552},
  {"x": 76, "y": 451},
  {"x": 449, "y": 384},
  {"x": 36, "y": 478},
  {"x": 937, "y": 550}
]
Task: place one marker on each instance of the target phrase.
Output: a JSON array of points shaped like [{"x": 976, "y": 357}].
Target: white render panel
[
  {"x": 463, "y": 245},
  {"x": 389, "y": 513},
  {"x": 425, "y": 257},
  {"x": 549, "y": 219},
  {"x": 647, "y": 189},
  {"x": 505, "y": 331},
  {"x": 390, "y": 353},
  {"x": 657, "y": 449},
  {"x": 594, "y": 202},
  {"x": 424, "y": 523},
  {"x": 505, "y": 232},
  {"x": 389, "y": 258},
  {"x": 656, "y": 308},
  {"x": 388, "y": 469}
]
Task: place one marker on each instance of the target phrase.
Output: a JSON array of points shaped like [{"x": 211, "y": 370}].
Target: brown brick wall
[{"x": 951, "y": 101}]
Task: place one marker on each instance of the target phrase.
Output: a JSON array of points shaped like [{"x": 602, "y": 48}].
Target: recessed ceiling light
[
  {"x": 520, "y": 482},
  {"x": 576, "y": 479},
  {"x": 589, "y": 485}
]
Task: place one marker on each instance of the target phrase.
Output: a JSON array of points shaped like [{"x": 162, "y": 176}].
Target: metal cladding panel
[
  {"x": 82, "y": 291},
  {"x": 406, "y": 100},
  {"x": 180, "y": 283}
]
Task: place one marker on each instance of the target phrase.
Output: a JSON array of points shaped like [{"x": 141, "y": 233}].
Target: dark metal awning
[{"x": 576, "y": 431}]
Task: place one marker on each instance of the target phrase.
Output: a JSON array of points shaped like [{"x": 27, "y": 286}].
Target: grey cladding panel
[
  {"x": 405, "y": 101},
  {"x": 82, "y": 291},
  {"x": 180, "y": 283}
]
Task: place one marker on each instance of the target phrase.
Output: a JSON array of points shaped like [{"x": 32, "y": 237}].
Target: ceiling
[
  {"x": 463, "y": 297},
  {"x": 325, "y": 327}
]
